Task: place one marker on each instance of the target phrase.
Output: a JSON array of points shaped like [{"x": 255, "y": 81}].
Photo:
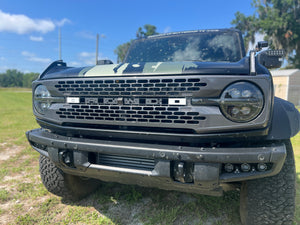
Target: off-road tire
[
  {"x": 69, "y": 187},
  {"x": 270, "y": 200}
]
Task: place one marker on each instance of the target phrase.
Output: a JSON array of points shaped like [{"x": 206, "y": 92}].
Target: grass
[
  {"x": 16, "y": 115},
  {"x": 24, "y": 200}
]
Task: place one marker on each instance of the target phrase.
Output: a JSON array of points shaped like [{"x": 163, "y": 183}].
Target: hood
[{"x": 150, "y": 68}]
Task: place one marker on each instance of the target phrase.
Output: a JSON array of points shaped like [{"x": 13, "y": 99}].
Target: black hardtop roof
[{"x": 223, "y": 30}]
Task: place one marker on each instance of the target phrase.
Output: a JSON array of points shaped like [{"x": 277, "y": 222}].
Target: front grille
[
  {"x": 153, "y": 101},
  {"x": 126, "y": 162},
  {"x": 130, "y": 87},
  {"x": 142, "y": 114}
]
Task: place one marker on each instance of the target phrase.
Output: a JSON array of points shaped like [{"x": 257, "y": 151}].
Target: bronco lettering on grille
[
  {"x": 130, "y": 101},
  {"x": 135, "y": 101}
]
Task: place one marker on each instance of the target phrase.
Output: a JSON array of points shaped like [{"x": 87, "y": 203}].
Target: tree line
[
  {"x": 15, "y": 78},
  {"x": 278, "y": 21}
]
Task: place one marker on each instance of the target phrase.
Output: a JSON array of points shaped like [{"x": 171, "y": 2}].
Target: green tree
[
  {"x": 28, "y": 78},
  {"x": 279, "y": 21},
  {"x": 12, "y": 78},
  {"x": 122, "y": 49},
  {"x": 148, "y": 30}
]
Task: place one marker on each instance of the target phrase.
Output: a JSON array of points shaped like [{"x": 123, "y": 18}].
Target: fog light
[
  {"x": 262, "y": 167},
  {"x": 245, "y": 110},
  {"x": 66, "y": 157},
  {"x": 183, "y": 172},
  {"x": 235, "y": 111},
  {"x": 245, "y": 167},
  {"x": 228, "y": 167}
]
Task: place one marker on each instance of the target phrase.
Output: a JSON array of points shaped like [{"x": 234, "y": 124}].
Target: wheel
[
  {"x": 270, "y": 200},
  {"x": 67, "y": 186}
]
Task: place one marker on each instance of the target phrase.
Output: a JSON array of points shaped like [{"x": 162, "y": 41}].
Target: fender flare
[{"x": 285, "y": 121}]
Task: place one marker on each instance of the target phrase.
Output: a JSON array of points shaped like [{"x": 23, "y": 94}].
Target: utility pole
[
  {"x": 59, "y": 42},
  {"x": 97, "y": 48}
]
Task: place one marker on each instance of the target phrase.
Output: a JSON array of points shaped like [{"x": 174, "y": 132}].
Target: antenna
[
  {"x": 59, "y": 43},
  {"x": 97, "y": 48}
]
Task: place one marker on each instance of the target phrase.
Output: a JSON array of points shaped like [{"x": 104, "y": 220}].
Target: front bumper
[{"x": 153, "y": 165}]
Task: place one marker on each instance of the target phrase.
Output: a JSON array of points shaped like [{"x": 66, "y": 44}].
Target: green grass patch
[
  {"x": 26, "y": 219},
  {"x": 4, "y": 195},
  {"x": 84, "y": 215},
  {"x": 47, "y": 205},
  {"x": 16, "y": 116}
]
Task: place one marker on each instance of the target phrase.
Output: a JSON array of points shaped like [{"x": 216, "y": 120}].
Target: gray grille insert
[
  {"x": 130, "y": 87},
  {"x": 143, "y": 114},
  {"x": 126, "y": 162}
]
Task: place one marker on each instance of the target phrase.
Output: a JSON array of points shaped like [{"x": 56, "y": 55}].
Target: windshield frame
[{"x": 234, "y": 32}]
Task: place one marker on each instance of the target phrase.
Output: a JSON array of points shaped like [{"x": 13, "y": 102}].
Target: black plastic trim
[
  {"x": 272, "y": 153},
  {"x": 140, "y": 136}
]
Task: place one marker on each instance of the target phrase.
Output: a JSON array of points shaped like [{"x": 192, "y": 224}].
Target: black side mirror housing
[
  {"x": 271, "y": 58},
  {"x": 261, "y": 44},
  {"x": 104, "y": 62}
]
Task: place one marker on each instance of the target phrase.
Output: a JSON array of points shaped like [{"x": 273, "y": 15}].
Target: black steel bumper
[{"x": 82, "y": 157}]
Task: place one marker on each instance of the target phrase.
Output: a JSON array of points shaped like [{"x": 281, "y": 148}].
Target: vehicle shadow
[{"x": 128, "y": 204}]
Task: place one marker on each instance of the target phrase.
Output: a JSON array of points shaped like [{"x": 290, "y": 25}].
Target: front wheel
[
  {"x": 65, "y": 185},
  {"x": 270, "y": 200}
]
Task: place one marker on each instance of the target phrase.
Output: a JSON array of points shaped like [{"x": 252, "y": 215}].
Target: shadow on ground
[{"x": 127, "y": 204}]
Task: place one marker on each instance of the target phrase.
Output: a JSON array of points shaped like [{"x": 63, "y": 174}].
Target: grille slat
[
  {"x": 162, "y": 87},
  {"x": 144, "y": 114},
  {"x": 126, "y": 162}
]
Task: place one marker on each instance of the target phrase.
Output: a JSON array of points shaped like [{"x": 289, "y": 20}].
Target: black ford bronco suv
[{"x": 186, "y": 111}]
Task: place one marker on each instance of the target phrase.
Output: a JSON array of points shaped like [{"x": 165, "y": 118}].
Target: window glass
[{"x": 195, "y": 46}]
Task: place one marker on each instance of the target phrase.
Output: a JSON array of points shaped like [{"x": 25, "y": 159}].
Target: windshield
[{"x": 191, "y": 46}]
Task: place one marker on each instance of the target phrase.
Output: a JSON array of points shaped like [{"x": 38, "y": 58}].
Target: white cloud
[
  {"x": 33, "y": 58},
  {"x": 2, "y": 58},
  {"x": 22, "y": 24},
  {"x": 167, "y": 30},
  {"x": 75, "y": 64},
  {"x": 27, "y": 54},
  {"x": 86, "y": 34},
  {"x": 3, "y": 68},
  {"x": 62, "y": 22},
  {"x": 36, "y": 38},
  {"x": 88, "y": 58},
  {"x": 86, "y": 54}
]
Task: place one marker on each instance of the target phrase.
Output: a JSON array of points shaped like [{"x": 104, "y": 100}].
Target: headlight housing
[
  {"x": 41, "y": 99},
  {"x": 241, "y": 102}
]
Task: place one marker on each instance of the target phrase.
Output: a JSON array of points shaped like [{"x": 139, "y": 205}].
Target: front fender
[{"x": 285, "y": 120}]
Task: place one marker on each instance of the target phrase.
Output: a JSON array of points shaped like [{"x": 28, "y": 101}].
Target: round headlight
[
  {"x": 241, "y": 102},
  {"x": 41, "y": 99}
]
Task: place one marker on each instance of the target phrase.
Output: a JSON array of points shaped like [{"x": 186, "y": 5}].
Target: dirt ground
[{"x": 24, "y": 200}]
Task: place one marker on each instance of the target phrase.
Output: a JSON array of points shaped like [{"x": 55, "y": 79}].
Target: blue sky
[{"x": 29, "y": 29}]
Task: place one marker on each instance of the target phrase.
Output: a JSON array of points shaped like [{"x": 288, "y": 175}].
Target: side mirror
[
  {"x": 271, "y": 58},
  {"x": 261, "y": 44},
  {"x": 104, "y": 62}
]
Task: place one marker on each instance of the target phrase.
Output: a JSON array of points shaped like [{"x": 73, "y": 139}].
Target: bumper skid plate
[{"x": 189, "y": 169}]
